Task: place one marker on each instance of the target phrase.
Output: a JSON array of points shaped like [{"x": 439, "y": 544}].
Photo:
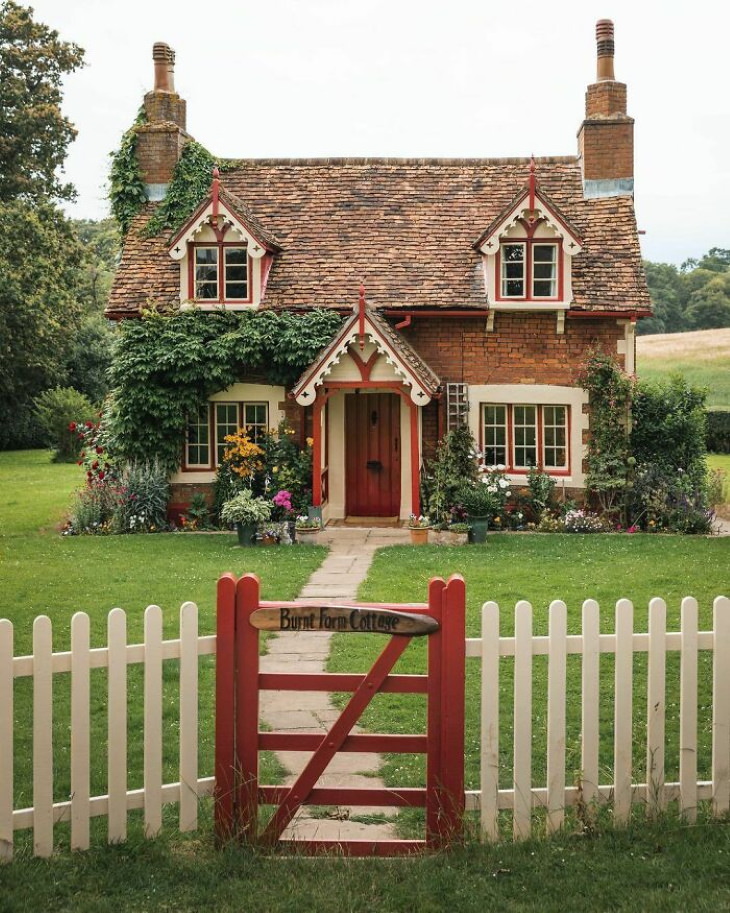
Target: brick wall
[
  {"x": 522, "y": 349},
  {"x": 158, "y": 151},
  {"x": 607, "y": 149}
]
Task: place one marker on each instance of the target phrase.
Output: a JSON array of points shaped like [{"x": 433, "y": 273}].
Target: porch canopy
[{"x": 367, "y": 355}]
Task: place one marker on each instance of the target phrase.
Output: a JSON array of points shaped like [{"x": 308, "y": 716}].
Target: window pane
[
  {"x": 197, "y": 449},
  {"x": 236, "y": 255},
  {"x": 543, "y": 288},
  {"x": 206, "y": 290},
  {"x": 525, "y": 436},
  {"x": 226, "y": 422},
  {"x": 495, "y": 435},
  {"x": 206, "y": 255},
  {"x": 236, "y": 273},
  {"x": 555, "y": 437},
  {"x": 236, "y": 290},
  {"x": 256, "y": 420},
  {"x": 544, "y": 270},
  {"x": 513, "y": 270},
  {"x": 544, "y": 253}
]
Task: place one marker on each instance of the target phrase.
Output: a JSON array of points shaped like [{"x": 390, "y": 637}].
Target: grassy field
[
  {"x": 721, "y": 461},
  {"x": 541, "y": 568},
  {"x": 703, "y": 357},
  {"x": 44, "y": 573},
  {"x": 649, "y": 867}
]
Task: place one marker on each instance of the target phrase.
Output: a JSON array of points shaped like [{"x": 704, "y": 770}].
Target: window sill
[
  {"x": 529, "y": 304},
  {"x": 218, "y": 305}
]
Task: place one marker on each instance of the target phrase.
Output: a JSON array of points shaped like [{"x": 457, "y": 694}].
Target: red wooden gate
[{"x": 238, "y": 793}]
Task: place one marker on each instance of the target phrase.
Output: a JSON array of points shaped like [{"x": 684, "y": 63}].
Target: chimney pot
[
  {"x": 164, "y": 60},
  {"x": 605, "y": 49}
]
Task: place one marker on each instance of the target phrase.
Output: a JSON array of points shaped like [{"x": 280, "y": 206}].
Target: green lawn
[
  {"x": 659, "y": 867},
  {"x": 45, "y": 573},
  {"x": 541, "y": 568}
]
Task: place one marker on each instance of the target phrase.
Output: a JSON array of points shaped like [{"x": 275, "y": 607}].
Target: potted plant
[
  {"x": 478, "y": 503},
  {"x": 308, "y": 529},
  {"x": 246, "y": 512},
  {"x": 419, "y": 526}
]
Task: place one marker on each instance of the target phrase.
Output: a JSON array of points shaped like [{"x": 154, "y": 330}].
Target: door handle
[{"x": 375, "y": 465}]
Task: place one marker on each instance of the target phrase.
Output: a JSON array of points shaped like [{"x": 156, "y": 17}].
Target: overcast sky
[{"x": 290, "y": 78}]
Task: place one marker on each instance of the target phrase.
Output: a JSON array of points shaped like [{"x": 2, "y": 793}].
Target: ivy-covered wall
[{"x": 166, "y": 366}]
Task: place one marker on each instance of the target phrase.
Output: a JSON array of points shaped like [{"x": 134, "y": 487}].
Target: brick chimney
[
  {"x": 161, "y": 139},
  {"x": 606, "y": 136}
]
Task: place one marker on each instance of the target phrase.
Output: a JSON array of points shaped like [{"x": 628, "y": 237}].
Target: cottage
[{"x": 471, "y": 291}]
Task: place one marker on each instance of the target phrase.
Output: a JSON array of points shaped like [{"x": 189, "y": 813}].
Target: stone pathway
[{"x": 337, "y": 580}]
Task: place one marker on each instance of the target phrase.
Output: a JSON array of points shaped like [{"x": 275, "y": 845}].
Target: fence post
[
  {"x": 452, "y": 709},
  {"x": 42, "y": 737},
  {"x": 247, "y": 706},
  {"x": 721, "y": 708},
  {"x": 224, "y": 707},
  {"x": 522, "y": 813},
  {"x": 489, "y": 777},
  {"x": 688, "y": 712},
  {"x": 6, "y": 741},
  {"x": 656, "y": 706}
]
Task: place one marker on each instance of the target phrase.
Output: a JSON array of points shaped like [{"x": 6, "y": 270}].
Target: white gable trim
[
  {"x": 571, "y": 244},
  {"x": 349, "y": 336},
  {"x": 203, "y": 219}
]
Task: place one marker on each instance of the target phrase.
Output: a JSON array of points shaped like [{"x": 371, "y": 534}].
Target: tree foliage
[
  {"x": 40, "y": 312},
  {"x": 694, "y": 297},
  {"x": 166, "y": 367},
  {"x": 34, "y": 134}
]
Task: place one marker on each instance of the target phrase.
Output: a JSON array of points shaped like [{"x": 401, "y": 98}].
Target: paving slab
[{"x": 336, "y": 581}]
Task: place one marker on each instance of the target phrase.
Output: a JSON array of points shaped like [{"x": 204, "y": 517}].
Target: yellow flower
[{"x": 310, "y": 442}]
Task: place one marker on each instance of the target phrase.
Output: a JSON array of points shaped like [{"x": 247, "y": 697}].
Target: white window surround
[
  {"x": 511, "y": 228},
  {"x": 201, "y": 232},
  {"x": 537, "y": 395},
  {"x": 273, "y": 396}
]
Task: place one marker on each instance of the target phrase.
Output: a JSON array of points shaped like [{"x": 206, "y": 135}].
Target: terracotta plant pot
[
  {"x": 419, "y": 535},
  {"x": 308, "y": 536}
]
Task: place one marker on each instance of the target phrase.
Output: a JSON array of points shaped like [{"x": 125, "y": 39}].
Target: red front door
[{"x": 372, "y": 454}]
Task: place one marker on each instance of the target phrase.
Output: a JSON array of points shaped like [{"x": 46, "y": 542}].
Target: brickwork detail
[
  {"x": 158, "y": 151},
  {"x": 523, "y": 349},
  {"x": 607, "y": 149}
]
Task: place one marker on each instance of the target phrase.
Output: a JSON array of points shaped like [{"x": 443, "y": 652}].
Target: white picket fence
[
  {"x": 522, "y": 798},
  {"x": 79, "y": 661}
]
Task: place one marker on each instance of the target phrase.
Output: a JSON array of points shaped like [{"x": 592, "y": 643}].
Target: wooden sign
[{"x": 342, "y": 620}]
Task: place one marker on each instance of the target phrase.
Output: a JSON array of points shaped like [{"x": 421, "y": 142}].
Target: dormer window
[
  {"x": 220, "y": 272},
  {"x": 528, "y": 270}
]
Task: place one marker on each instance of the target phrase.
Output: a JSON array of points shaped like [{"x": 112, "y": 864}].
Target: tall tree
[{"x": 34, "y": 134}]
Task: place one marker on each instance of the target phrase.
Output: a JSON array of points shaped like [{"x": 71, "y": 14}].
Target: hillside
[{"x": 703, "y": 357}]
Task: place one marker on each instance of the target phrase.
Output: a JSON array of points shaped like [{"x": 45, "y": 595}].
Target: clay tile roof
[
  {"x": 403, "y": 227},
  {"x": 551, "y": 205}
]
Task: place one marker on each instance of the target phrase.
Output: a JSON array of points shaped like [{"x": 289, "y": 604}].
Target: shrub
[
  {"x": 92, "y": 511},
  {"x": 718, "y": 431},
  {"x": 671, "y": 500},
  {"x": 669, "y": 427},
  {"x": 245, "y": 508},
  {"x": 542, "y": 488},
  {"x": 59, "y": 411},
  {"x": 454, "y": 465},
  {"x": 142, "y": 496}
]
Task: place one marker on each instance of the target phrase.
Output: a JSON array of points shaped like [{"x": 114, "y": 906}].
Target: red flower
[
  {"x": 89, "y": 475},
  {"x": 100, "y": 450},
  {"x": 95, "y": 464},
  {"x": 101, "y": 476},
  {"x": 72, "y": 426},
  {"x": 83, "y": 454},
  {"x": 89, "y": 424}
]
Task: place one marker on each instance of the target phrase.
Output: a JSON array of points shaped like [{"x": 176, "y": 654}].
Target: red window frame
[
  {"x": 529, "y": 277},
  {"x": 221, "y": 247},
  {"x": 540, "y": 436},
  {"x": 213, "y": 432}
]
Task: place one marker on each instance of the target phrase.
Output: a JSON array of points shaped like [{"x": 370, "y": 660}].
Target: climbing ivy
[
  {"x": 190, "y": 182},
  {"x": 167, "y": 366},
  {"x": 126, "y": 191}
]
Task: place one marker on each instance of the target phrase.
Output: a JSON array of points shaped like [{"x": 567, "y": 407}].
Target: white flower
[{"x": 503, "y": 483}]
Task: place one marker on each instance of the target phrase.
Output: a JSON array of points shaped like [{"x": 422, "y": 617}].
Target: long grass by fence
[{"x": 489, "y": 800}]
